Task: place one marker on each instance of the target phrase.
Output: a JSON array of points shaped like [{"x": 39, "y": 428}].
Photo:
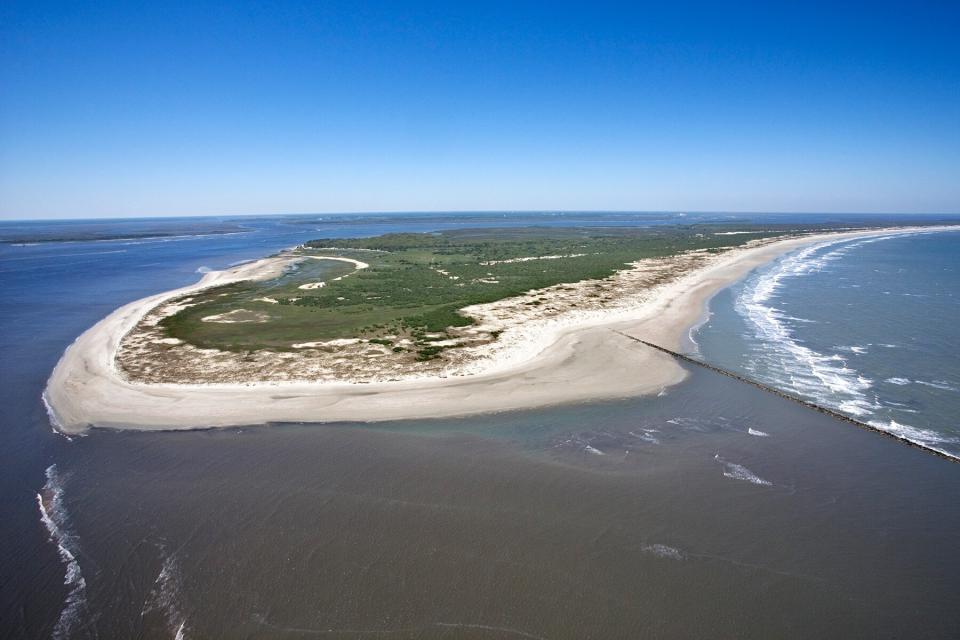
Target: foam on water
[
  {"x": 740, "y": 472},
  {"x": 646, "y": 435},
  {"x": 165, "y": 596},
  {"x": 943, "y": 385},
  {"x": 825, "y": 377},
  {"x": 781, "y": 357},
  {"x": 54, "y": 516},
  {"x": 703, "y": 425},
  {"x": 914, "y": 434},
  {"x": 54, "y": 421},
  {"x": 855, "y": 349},
  {"x": 663, "y": 551}
]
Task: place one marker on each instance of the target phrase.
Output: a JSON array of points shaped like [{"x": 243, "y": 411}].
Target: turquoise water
[{"x": 869, "y": 327}]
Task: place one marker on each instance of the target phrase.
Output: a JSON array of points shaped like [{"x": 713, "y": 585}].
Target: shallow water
[
  {"x": 561, "y": 523},
  {"x": 660, "y": 517}
]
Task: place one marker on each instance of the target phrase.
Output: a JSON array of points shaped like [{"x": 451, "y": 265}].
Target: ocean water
[
  {"x": 712, "y": 510},
  {"x": 869, "y": 327}
]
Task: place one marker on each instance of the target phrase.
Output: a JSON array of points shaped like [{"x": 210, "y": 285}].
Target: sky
[{"x": 147, "y": 109}]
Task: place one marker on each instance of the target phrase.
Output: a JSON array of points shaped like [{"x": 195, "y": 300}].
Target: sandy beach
[{"x": 568, "y": 362}]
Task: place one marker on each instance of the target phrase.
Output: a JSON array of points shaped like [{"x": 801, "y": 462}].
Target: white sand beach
[{"x": 574, "y": 361}]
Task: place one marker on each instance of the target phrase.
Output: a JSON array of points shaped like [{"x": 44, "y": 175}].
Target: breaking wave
[
  {"x": 780, "y": 358},
  {"x": 54, "y": 516},
  {"x": 926, "y": 437},
  {"x": 55, "y": 424},
  {"x": 825, "y": 377}
]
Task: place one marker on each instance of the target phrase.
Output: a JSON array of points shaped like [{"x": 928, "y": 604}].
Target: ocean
[
  {"x": 868, "y": 327},
  {"x": 712, "y": 510}
]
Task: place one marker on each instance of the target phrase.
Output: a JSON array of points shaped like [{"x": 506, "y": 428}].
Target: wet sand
[{"x": 582, "y": 361}]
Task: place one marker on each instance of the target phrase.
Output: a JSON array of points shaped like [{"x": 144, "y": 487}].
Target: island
[{"x": 412, "y": 325}]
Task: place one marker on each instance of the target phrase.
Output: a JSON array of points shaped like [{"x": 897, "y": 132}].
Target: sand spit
[
  {"x": 316, "y": 285},
  {"x": 356, "y": 263},
  {"x": 543, "y": 357}
]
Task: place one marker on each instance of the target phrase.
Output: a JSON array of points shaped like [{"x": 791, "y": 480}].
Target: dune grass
[{"x": 417, "y": 283}]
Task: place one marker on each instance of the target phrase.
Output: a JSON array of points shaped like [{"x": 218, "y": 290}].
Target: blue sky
[{"x": 129, "y": 109}]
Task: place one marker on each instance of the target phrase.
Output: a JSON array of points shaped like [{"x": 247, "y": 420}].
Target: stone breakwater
[{"x": 788, "y": 396}]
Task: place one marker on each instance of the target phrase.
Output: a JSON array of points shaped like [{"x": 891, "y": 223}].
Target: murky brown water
[{"x": 644, "y": 518}]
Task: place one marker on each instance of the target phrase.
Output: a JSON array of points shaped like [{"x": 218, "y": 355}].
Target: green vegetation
[{"x": 417, "y": 283}]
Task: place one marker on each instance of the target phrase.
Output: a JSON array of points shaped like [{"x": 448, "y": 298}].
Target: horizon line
[{"x": 480, "y": 211}]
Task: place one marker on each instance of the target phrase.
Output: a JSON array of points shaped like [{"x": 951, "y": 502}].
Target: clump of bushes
[{"x": 428, "y": 353}]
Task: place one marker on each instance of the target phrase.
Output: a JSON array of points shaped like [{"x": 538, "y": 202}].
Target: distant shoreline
[{"x": 578, "y": 363}]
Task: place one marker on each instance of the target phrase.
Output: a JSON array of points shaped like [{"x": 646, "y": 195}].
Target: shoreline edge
[{"x": 589, "y": 361}]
